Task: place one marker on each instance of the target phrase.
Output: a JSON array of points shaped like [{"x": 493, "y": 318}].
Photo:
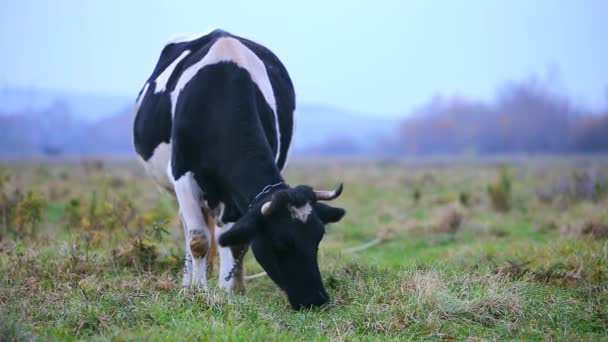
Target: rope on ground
[
  {"x": 364, "y": 246},
  {"x": 382, "y": 237},
  {"x": 254, "y": 276}
]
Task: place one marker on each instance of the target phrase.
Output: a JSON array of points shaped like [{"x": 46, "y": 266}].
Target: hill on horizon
[{"x": 30, "y": 114}]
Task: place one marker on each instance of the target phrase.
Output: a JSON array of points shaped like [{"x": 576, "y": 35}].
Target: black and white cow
[{"x": 213, "y": 125}]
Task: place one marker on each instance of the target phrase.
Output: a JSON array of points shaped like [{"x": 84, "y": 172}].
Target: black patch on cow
[
  {"x": 152, "y": 124},
  {"x": 153, "y": 127},
  {"x": 223, "y": 134}
]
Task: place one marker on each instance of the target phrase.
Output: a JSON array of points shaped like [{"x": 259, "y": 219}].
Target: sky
[{"x": 378, "y": 57}]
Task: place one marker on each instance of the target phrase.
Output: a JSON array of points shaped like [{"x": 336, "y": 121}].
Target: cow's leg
[
  {"x": 187, "y": 280},
  {"x": 231, "y": 264},
  {"x": 196, "y": 231}
]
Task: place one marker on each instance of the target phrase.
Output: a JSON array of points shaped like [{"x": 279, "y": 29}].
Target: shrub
[
  {"x": 416, "y": 195},
  {"x": 72, "y": 213},
  {"x": 580, "y": 185},
  {"x": 8, "y": 207},
  {"x": 464, "y": 198},
  {"x": 599, "y": 190},
  {"x": 29, "y": 214},
  {"x": 500, "y": 192},
  {"x": 143, "y": 248}
]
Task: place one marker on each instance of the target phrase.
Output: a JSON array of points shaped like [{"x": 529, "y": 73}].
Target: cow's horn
[
  {"x": 329, "y": 195},
  {"x": 275, "y": 202},
  {"x": 267, "y": 208}
]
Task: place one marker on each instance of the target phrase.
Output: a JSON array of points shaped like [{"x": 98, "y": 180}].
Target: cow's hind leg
[
  {"x": 187, "y": 280},
  {"x": 196, "y": 231},
  {"x": 231, "y": 264}
]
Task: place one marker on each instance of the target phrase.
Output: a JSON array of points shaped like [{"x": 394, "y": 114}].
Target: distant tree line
[
  {"x": 55, "y": 131},
  {"x": 526, "y": 117}
]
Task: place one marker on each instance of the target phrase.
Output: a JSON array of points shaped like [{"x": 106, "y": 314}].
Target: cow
[{"x": 213, "y": 125}]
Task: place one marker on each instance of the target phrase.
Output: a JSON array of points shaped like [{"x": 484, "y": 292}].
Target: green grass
[{"x": 108, "y": 265}]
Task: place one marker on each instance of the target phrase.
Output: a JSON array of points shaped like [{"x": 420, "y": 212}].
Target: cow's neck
[{"x": 251, "y": 178}]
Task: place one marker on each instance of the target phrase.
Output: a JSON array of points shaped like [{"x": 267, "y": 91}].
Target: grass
[{"x": 92, "y": 251}]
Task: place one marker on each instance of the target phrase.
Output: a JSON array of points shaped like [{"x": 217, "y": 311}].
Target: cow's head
[{"x": 284, "y": 231}]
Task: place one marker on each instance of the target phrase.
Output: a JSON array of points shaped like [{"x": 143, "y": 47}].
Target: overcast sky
[{"x": 368, "y": 56}]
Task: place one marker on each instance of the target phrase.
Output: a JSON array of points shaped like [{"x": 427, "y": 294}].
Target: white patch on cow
[
  {"x": 163, "y": 78},
  {"x": 156, "y": 166},
  {"x": 199, "y": 272},
  {"x": 226, "y": 261},
  {"x": 187, "y": 276},
  {"x": 140, "y": 99},
  {"x": 287, "y": 155},
  {"x": 231, "y": 50},
  {"x": 301, "y": 213},
  {"x": 188, "y": 195}
]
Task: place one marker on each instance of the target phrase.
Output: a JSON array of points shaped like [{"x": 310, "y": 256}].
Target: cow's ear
[
  {"x": 329, "y": 214},
  {"x": 242, "y": 232}
]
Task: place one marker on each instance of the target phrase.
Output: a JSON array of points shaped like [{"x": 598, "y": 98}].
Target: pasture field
[{"x": 477, "y": 250}]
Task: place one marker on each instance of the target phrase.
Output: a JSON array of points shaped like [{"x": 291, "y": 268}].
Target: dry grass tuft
[
  {"x": 387, "y": 233},
  {"x": 449, "y": 221},
  {"x": 555, "y": 273},
  {"x": 593, "y": 229},
  {"x": 486, "y": 299},
  {"x": 426, "y": 285}
]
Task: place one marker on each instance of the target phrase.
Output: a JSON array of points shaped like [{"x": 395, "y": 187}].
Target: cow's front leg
[
  {"x": 195, "y": 229},
  {"x": 231, "y": 264}
]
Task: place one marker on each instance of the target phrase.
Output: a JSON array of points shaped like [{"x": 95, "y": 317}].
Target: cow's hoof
[{"x": 233, "y": 286}]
